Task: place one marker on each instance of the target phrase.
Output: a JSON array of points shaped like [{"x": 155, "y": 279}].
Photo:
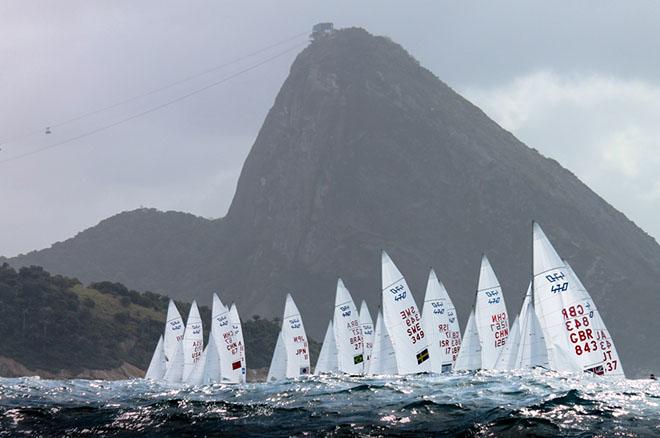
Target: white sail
[
  {"x": 174, "y": 329},
  {"x": 277, "y": 369},
  {"x": 469, "y": 356},
  {"x": 611, "y": 362},
  {"x": 228, "y": 349},
  {"x": 367, "y": 325},
  {"x": 490, "y": 315},
  {"x": 435, "y": 322},
  {"x": 509, "y": 354},
  {"x": 212, "y": 370},
  {"x": 193, "y": 341},
  {"x": 566, "y": 321},
  {"x": 532, "y": 349},
  {"x": 348, "y": 333},
  {"x": 383, "y": 359},
  {"x": 157, "y": 366},
  {"x": 174, "y": 373},
  {"x": 403, "y": 321},
  {"x": 454, "y": 333},
  {"x": 196, "y": 377},
  {"x": 327, "y": 361},
  {"x": 294, "y": 342},
  {"x": 235, "y": 321}
]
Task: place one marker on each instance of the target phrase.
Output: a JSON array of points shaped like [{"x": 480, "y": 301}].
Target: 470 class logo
[
  {"x": 399, "y": 292},
  {"x": 438, "y": 307}
]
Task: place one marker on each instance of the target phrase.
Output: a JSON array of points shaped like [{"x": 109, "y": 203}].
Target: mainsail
[
  {"x": 403, "y": 321},
  {"x": 228, "y": 349},
  {"x": 327, "y": 361},
  {"x": 174, "y": 329},
  {"x": 454, "y": 333},
  {"x": 612, "y": 363},
  {"x": 235, "y": 322},
  {"x": 509, "y": 354},
  {"x": 490, "y": 315},
  {"x": 157, "y": 366},
  {"x": 566, "y": 318},
  {"x": 193, "y": 341},
  {"x": 367, "y": 325},
  {"x": 469, "y": 356},
  {"x": 291, "y": 356},
  {"x": 435, "y": 322},
  {"x": 348, "y": 333},
  {"x": 383, "y": 359},
  {"x": 196, "y": 377}
]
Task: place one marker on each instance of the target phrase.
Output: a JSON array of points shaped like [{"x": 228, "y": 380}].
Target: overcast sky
[{"x": 579, "y": 81}]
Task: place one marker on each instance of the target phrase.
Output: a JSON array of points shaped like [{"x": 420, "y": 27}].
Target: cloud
[{"x": 605, "y": 129}]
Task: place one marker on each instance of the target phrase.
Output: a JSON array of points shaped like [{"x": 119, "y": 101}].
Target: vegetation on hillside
[{"x": 54, "y": 323}]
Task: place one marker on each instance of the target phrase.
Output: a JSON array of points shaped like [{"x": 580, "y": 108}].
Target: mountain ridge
[{"x": 364, "y": 149}]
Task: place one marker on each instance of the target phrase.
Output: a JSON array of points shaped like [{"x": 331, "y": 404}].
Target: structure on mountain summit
[{"x": 321, "y": 29}]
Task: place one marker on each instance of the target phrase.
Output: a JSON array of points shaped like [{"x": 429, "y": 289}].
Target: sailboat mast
[{"x": 532, "y": 258}]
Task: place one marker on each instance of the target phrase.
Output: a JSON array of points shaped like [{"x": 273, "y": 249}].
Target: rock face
[{"x": 364, "y": 150}]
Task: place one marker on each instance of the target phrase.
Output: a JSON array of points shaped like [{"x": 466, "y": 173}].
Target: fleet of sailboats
[{"x": 558, "y": 329}]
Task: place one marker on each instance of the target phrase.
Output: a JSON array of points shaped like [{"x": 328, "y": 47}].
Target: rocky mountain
[{"x": 365, "y": 149}]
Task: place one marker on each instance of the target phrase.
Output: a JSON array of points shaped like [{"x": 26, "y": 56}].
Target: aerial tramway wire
[
  {"x": 7, "y": 140},
  {"x": 154, "y": 108}
]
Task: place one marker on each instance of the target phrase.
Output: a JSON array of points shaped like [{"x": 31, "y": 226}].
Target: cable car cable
[
  {"x": 152, "y": 109},
  {"x": 16, "y": 138}
]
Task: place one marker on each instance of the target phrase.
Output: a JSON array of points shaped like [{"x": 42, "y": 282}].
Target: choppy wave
[{"x": 482, "y": 404}]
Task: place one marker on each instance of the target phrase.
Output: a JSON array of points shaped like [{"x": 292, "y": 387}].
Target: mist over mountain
[{"x": 363, "y": 150}]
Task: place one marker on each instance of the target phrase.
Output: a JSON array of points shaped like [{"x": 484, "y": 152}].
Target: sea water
[{"x": 481, "y": 404}]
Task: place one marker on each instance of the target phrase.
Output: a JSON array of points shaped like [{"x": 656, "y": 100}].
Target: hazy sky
[{"x": 579, "y": 81}]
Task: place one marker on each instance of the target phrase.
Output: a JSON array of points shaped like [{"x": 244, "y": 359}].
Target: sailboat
[
  {"x": 193, "y": 342},
  {"x": 469, "y": 356},
  {"x": 567, "y": 315},
  {"x": 226, "y": 344},
  {"x": 367, "y": 325},
  {"x": 196, "y": 376},
  {"x": 174, "y": 372},
  {"x": 509, "y": 354},
  {"x": 235, "y": 321},
  {"x": 444, "y": 336},
  {"x": 490, "y": 315},
  {"x": 532, "y": 351},
  {"x": 403, "y": 321},
  {"x": 174, "y": 328},
  {"x": 212, "y": 368},
  {"x": 348, "y": 333},
  {"x": 327, "y": 361},
  {"x": 383, "y": 359},
  {"x": 454, "y": 333},
  {"x": 157, "y": 365},
  {"x": 291, "y": 356}
]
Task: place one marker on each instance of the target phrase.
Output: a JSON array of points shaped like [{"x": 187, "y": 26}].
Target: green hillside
[{"x": 56, "y": 324}]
